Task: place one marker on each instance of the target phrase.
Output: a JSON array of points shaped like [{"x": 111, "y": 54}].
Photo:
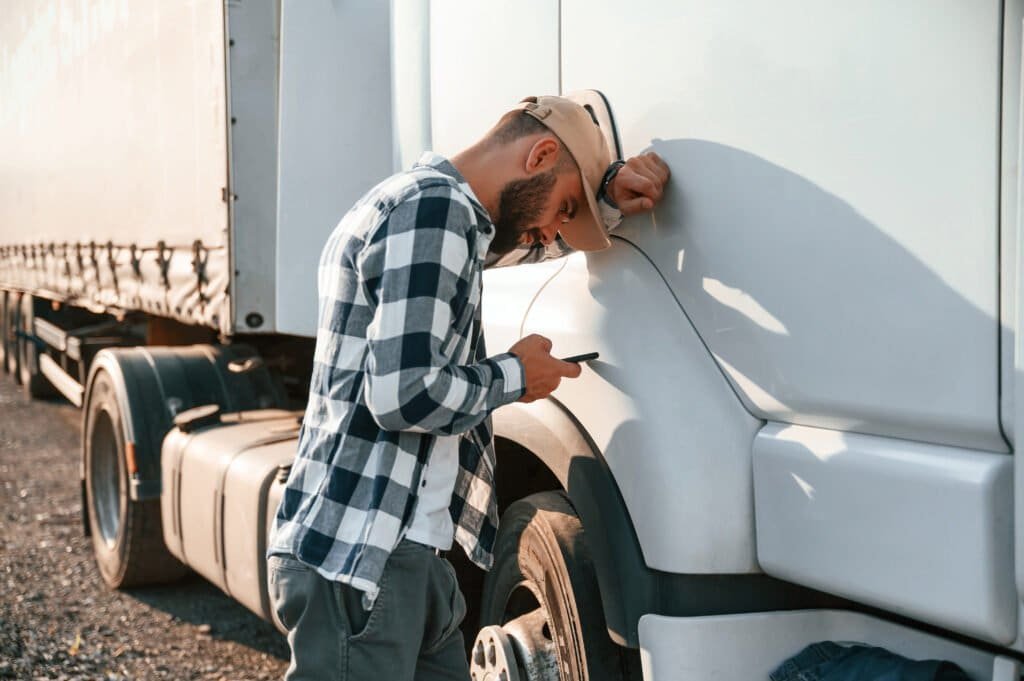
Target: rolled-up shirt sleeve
[{"x": 414, "y": 268}]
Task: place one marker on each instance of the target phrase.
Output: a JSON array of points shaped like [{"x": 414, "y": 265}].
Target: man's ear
[{"x": 543, "y": 155}]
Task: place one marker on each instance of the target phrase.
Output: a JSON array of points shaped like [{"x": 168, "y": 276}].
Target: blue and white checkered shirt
[{"x": 399, "y": 370}]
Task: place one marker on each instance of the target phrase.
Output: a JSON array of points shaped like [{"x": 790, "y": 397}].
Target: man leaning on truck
[{"x": 395, "y": 459}]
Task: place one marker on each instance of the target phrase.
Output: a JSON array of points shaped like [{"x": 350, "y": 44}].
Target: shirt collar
[{"x": 443, "y": 165}]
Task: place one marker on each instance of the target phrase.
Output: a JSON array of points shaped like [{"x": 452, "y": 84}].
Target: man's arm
[
  {"x": 635, "y": 186},
  {"x": 415, "y": 268}
]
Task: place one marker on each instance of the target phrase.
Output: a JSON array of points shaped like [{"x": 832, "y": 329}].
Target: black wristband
[{"x": 609, "y": 174}]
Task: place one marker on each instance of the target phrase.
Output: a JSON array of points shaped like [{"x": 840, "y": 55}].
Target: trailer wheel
[
  {"x": 33, "y": 382},
  {"x": 127, "y": 535},
  {"x": 541, "y": 601},
  {"x": 10, "y": 315}
]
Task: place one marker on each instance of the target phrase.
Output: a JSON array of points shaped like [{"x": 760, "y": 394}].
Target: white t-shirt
[{"x": 432, "y": 523}]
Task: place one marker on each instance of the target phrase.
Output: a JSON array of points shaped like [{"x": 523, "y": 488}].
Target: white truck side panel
[
  {"x": 113, "y": 130},
  {"x": 112, "y": 122},
  {"x": 509, "y": 294},
  {"x": 1009, "y": 165},
  {"x": 410, "y": 80},
  {"x": 922, "y": 530},
  {"x": 252, "y": 72},
  {"x": 1016, "y": 387},
  {"x": 831, "y": 226},
  {"x": 334, "y": 139},
  {"x": 484, "y": 58}
]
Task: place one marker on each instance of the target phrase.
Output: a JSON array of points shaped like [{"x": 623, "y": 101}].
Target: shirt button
[{"x": 423, "y": 483}]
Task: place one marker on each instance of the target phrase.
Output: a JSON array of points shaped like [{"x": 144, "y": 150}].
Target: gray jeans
[{"x": 412, "y": 632}]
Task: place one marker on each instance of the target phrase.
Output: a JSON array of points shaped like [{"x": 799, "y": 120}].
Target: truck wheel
[
  {"x": 33, "y": 382},
  {"x": 10, "y": 339},
  {"x": 127, "y": 536},
  {"x": 542, "y": 603}
]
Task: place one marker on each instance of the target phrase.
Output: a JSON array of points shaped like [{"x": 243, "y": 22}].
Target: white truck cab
[{"x": 808, "y": 351}]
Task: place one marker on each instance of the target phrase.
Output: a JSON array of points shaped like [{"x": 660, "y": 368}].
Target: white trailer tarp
[{"x": 113, "y": 175}]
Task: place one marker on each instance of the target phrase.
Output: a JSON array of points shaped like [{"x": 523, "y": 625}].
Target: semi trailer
[{"x": 802, "y": 423}]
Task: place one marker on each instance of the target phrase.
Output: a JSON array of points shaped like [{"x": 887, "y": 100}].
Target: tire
[
  {"x": 541, "y": 562},
  {"x": 11, "y": 315},
  {"x": 127, "y": 536},
  {"x": 32, "y": 380}
]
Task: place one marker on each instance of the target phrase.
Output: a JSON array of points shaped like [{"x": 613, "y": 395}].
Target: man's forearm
[{"x": 442, "y": 400}]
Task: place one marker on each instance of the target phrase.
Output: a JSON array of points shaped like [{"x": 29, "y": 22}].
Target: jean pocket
[
  {"x": 360, "y": 624},
  {"x": 455, "y": 611},
  {"x": 458, "y": 600},
  {"x": 289, "y": 588}
]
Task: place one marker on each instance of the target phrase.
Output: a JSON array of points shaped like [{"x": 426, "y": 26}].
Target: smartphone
[{"x": 582, "y": 358}]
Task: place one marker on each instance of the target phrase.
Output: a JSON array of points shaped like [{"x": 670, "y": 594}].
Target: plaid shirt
[{"x": 399, "y": 370}]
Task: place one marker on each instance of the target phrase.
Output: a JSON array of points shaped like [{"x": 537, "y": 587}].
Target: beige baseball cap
[{"x": 575, "y": 127}]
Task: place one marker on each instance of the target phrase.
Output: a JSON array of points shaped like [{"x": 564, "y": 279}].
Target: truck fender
[
  {"x": 629, "y": 588},
  {"x": 154, "y": 384},
  {"x": 549, "y": 432}
]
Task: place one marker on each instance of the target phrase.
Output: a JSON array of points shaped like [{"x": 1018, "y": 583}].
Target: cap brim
[{"x": 586, "y": 231}]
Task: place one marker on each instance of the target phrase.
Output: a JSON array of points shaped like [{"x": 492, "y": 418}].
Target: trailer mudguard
[{"x": 156, "y": 383}]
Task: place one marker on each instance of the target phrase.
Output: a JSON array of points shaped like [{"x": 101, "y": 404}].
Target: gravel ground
[{"x": 58, "y": 620}]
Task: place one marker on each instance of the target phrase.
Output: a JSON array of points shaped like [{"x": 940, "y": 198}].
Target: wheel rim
[
  {"x": 521, "y": 649},
  {"x": 105, "y": 476}
]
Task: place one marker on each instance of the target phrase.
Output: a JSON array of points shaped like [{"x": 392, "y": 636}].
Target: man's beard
[{"x": 520, "y": 204}]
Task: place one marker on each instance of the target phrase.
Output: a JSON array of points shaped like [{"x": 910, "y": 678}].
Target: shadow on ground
[{"x": 195, "y": 601}]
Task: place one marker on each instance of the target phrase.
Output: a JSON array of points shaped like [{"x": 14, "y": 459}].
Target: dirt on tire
[{"x": 58, "y": 620}]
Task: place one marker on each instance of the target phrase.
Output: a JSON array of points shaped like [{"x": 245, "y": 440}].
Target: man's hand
[
  {"x": 639, "y": 184},
  {"x": 543, "y": 372}
]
